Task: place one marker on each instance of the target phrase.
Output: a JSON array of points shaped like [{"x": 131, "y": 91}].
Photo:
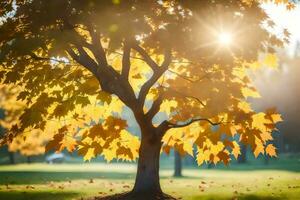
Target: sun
[{"x": 225, "y": 38}]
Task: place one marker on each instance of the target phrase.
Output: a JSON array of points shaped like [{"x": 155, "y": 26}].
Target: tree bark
[
  {"x": 147, "y": 177},
  {"x": 29, "y": 159},
  {"x": 11, "y": 158},
  {"x": 177, "y": 164},
  {"x": 242, "y": 158}
]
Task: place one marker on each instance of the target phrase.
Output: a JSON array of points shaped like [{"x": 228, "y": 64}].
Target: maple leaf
[
  {"x": 271, "y": 150},
  {"x": 224, "y": 157},
  {"x": 259, "y": 121},
  {"x": 69, "y": 143},
  {"x": 271, "y": 61},
  {"x": 54, "y": 143},
  {"x": 259, "y": 148},
  {"x": 250, "y": 92},
  {"x": 89, "y": 154},
  {"x": 97, "y": 130},
  {"x": 104, "y": 97},
  {"x": 245, "y": 106},
  {"x": 236, "y": 151}
]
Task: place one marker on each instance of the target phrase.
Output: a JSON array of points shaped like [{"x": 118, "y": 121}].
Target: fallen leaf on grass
[
  {"x": 102, "y": 193},
  {"x": 29, "y": 187}
]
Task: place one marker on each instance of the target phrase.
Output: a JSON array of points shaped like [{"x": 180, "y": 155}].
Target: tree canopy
[{"x": 79, "y": 63}]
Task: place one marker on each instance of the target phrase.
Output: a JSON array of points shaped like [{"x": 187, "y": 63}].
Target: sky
[{"x": 286, "y": 19}]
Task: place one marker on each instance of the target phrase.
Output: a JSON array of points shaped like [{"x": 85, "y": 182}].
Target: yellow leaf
[
  {"x": 109, "y": 154},
  {"x": 249, "y": 92},
  {"x": 271, "y": 61},
  {"x": 188, "y": 148},
  {"x": 89, "y": 154},
  {"x": 259, "y": 148},
  {"x": 168, "y": 105},
  {"x": 259, "y": 121},
  {"x": 266, "y": 136},
  {"x": 104, "y": 97},
  {"x": 245, "y": 106},
  {"x": 236, "y": 151},
  {"x": 202, "y": 156},
  {"x": 271, "y": 150},
  {"x": 255, "y": 65},
  {"x": 276, "y": 118},
  {"x": 69, "y": 143}
]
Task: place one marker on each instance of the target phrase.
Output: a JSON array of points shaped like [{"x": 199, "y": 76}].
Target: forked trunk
[{"x": 147, "y": 177}]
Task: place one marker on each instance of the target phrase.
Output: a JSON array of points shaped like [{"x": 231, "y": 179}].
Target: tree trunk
[
  {"x": 242, "y": 158},
  {"x": 11, "y": 158},
  {"x": 177, "y": 164},
  {"x": 28, "y": 159},
  {"x": 266, "y": 158},
  {"x": 147, "y": 177}
]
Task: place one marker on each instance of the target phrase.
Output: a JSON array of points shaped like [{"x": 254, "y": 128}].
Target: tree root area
[{"x": 136, "y": 196}]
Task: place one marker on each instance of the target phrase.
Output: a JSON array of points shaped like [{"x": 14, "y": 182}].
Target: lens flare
[{"x": 225, "y": 38}]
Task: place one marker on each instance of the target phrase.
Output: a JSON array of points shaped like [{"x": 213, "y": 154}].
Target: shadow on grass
[
  {"x": 32, "y": 195},
  {"x": 43, "y": 177},
  {"x": 37, "y": 177},
  {"x": 243, "y": 197},
  {"x": 254, "y": 197}
]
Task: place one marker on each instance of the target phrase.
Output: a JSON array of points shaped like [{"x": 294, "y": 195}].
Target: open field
[{"x": 76, "y": 181}]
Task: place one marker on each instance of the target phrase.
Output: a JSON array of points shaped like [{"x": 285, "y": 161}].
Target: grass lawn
[{"x": 76, "y": 181}]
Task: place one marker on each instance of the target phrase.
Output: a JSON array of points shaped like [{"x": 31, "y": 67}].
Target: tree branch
[
  {"x": 126, "y": 60},
  {"x": 186, "y": 96},
  {"x": 157, "y": 73},
  {"x": 172, "y": 125},
  {"x": 96, "y": 47},
  {"x": 155, "y": 107},
  {"x": 145, "y": 56},
  {"x": 36, "y": 57},
  {"x": 83, "y": 59},
  {"x": 188, "y": 78},
  {"x": 166, "y": 125}
]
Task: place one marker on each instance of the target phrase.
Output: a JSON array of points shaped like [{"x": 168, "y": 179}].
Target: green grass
[{"x": 73, "y": 181}]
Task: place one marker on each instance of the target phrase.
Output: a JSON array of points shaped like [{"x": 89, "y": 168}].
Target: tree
[
  {"x": 242, "y": 158},
  {"x": 177, "y": 164},
  {"x": 78, "y": 61},
  {"x": 27, "y": 143}
]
